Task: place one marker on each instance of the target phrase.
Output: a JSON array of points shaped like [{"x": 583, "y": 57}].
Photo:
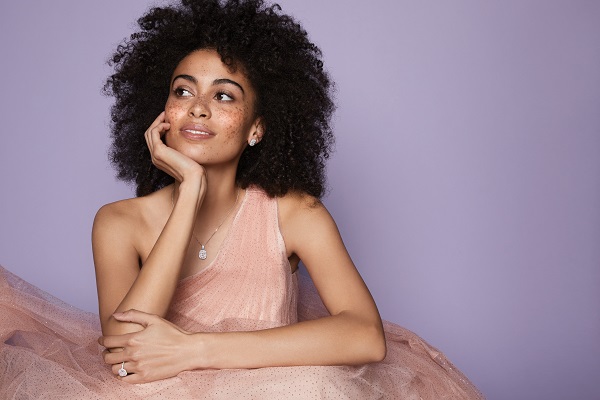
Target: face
[{"x": 210, "y": 109}]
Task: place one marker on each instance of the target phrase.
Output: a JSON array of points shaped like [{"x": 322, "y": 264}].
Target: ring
[{"x": 122, "y": 371}]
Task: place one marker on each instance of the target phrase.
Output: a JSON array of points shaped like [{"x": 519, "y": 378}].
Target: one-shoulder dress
[{"x": 49, "y": 349}]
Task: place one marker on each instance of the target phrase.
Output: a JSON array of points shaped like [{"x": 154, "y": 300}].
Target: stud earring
[{"x": 252, "y": 142}]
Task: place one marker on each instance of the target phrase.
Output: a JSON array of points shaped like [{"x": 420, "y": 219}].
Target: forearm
[
  {"x": 343, "y": 339},
  {"x": 155, "y": 284}
]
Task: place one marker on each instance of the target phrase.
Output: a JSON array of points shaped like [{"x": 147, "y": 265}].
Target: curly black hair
[{"x": 294, "y": 92}]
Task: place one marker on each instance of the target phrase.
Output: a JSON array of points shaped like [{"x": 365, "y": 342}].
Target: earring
[{"x": 252, "y": 142}]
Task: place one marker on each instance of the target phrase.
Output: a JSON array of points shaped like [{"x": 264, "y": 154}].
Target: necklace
[{"x": 202, "y": 253}]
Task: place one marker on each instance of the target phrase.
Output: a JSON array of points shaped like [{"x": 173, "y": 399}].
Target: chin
[{"x": 198, "y": 155}]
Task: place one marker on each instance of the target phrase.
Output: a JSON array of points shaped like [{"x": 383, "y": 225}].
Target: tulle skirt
[{"x": 49, "y": 350}]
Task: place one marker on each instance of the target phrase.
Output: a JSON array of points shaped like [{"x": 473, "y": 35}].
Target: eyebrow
[{"x": 215, "y": 82}]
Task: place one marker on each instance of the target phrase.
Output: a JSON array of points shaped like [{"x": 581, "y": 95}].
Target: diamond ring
[{"x": 123, "y": 371}]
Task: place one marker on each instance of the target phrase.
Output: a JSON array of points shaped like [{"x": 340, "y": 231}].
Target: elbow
[
  {"x": 372, "y": 347},
  {"x": 377, "y": 347},
  {"x": 381, "y": 351},
  {"x": 366, "y": 342}
]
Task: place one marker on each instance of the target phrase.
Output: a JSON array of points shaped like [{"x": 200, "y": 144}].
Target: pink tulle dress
[{"x": 49, "y": 349}]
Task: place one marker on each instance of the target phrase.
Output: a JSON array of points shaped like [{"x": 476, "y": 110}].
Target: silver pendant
[{"x": 202, "y": 253}]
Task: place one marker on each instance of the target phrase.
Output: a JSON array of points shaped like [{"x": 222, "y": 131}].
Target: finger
[
  {"x": 154, "y": 141},
  {"x": 154, "y": 133},
  {"x": 159, "y": 130},
  {"x": 132, "y": 375},
  {"x": 157, "y": 120},
  {"x": 114, "y": 341},
  {"x": 107, "y": 351},
  {"x": 160, "y": 119},
  {"x": 128, "y": 367},
  {"x": 148, "y": 141},
  {"x": 135, "y": 316},
  {"x": 133, "y": 378},
  {"x": 113, "y": 358}
]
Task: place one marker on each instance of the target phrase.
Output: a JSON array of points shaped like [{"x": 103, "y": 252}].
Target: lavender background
[{"x": 466, "y": 181}]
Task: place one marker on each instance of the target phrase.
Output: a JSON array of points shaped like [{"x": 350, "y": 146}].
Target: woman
[{"x": 196, "y": 277}]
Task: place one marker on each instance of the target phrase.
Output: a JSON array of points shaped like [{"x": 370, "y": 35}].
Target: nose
[{"x": 199, "y": 108}]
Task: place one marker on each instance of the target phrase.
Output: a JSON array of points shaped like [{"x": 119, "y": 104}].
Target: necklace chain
[{"x": 202, "y": 253}]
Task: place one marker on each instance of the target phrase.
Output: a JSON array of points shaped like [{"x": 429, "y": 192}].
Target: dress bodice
[{"x": 249, "y": 279}]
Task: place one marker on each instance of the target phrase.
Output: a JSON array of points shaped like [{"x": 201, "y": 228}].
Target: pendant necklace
[{"x": 202, "y": 253}]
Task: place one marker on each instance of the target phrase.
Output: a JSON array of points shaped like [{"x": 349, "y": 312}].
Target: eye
[
  {"x": 182, "y": 92},
  {"x": 223, "y": 97}
]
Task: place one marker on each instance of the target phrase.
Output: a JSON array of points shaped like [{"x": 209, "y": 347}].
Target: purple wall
[{"x": 466, "y": 181}]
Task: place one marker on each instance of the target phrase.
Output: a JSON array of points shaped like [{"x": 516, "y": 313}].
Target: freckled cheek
[
  {"x": 235, "y": 123},
  {"x": 174, "y": 111}
]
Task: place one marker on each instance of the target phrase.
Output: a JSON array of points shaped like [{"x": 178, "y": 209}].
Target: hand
[
  {"x": 167, "y": 159},
  {"x": 161, "y": 350}
]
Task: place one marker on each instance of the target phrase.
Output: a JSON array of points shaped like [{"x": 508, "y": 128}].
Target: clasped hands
[{"x": 160, "y": 350}]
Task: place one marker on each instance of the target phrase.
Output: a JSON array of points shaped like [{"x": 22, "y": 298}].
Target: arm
[
  {"x": 122, "y": 284},
  {"x": 353, "y": 334}
]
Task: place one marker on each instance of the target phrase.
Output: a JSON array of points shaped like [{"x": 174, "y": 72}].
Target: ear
[{"x": 257, "y": 130}]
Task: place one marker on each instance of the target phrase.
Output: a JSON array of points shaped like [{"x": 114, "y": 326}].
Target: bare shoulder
[
  {"x": 113, "y": 232},
  {"x": 298, "y": 204},
  {"x": 122, "y": 212},
  {"x": 129, "y": 215},
  {"x": 136, "y": 209},
  {"x": 302, "y": 218}
]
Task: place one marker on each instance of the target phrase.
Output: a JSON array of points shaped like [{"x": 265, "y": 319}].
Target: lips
[{"x": 196, "y": 132}]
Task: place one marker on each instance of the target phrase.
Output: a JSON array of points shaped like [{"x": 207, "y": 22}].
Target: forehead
[{"x": 207, "y": 63}]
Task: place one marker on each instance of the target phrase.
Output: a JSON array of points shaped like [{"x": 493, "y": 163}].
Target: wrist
[
  {"x": 189, "y": 191},
  {"x": 193, "y": 176},
  {"x": 203, "y": 354}
]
